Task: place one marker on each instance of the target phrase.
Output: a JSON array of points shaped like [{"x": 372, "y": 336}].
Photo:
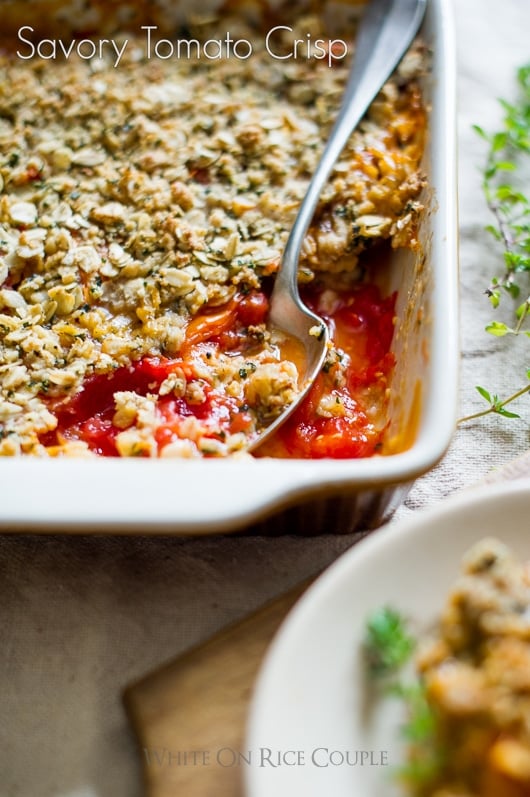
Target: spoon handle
[{"x": 385, "y": 33}]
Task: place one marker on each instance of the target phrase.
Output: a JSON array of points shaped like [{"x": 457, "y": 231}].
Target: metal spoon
[{"x": 386, "y": 31}]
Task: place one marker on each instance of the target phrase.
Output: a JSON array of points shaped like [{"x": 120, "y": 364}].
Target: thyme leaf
[
  {"x": 509, "y": 203},
  {"x": 388, "y": 646}
]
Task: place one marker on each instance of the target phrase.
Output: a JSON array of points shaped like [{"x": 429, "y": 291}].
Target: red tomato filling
[
  {"x": 361, "y": 325},
  {"x": 89, "y": 414}
]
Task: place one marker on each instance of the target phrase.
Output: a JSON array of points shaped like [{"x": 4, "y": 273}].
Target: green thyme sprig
[
  {"x": 509, "y": 153},
  {"x": 388, "y": 647},
  {"x": 420, "y": 731}
]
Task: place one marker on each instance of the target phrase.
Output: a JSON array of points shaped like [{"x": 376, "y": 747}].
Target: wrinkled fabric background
[{"x": 82, "y": 617}]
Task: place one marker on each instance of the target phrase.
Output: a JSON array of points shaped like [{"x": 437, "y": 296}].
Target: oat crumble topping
[{"x": 135, "y": 199}]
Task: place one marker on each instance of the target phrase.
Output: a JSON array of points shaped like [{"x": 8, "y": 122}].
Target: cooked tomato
[
  {"x": 334, "y": 438},
  {"x": 309, "y": 435},
  {"x": 361, "y": 323},
  {"x": 253, "y": 309},
  {"x": 208, "y": 326},
  {"x": 228, "y": 324},
  {"x": 88, "y": 415},
  {"x": 98, "y": 432}
]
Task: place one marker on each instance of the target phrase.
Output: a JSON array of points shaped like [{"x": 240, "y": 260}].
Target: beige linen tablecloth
[{"x": 82, "y": 617}]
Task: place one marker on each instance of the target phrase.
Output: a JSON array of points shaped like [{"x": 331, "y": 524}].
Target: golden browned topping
[
  {"x": 477, "y": 677},
  {"x": 135, "y": 197}
]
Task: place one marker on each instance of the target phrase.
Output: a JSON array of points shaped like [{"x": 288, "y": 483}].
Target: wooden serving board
[{"x": 189, "y": 717}]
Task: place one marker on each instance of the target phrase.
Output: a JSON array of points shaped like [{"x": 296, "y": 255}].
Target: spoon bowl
[{"x": 386, "y": 31}]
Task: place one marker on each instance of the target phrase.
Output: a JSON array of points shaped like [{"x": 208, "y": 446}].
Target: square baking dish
[{"x": 294, "y": 496}]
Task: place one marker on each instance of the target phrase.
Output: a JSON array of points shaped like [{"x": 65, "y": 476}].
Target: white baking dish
[{"x": 302, "y": 496}]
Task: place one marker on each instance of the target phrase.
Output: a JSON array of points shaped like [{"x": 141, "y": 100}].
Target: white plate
[{"x": 311, "y": 696}]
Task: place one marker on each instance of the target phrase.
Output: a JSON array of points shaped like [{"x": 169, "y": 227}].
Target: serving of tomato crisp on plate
[{"x": 144, "y": 209}]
